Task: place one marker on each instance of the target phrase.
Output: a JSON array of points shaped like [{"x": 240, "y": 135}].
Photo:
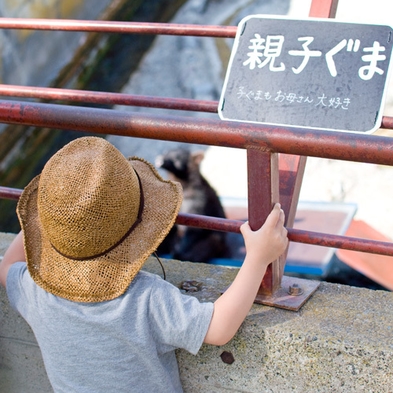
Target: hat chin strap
[{"x": 134, "y": 225}]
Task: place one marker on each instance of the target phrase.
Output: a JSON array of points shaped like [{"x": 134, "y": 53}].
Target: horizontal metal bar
[
  {"x": 106, "y": 98},
  {"x": 295, "y": 235},
  {"x": 10, "y": 193},
  {"x": 118, "y": 27},
  {"x": 296, "y": 141},
  {"x": 342, "y": 242},
  {"x": 206, "y": 222},
  {"x": 387, "y": 122}
]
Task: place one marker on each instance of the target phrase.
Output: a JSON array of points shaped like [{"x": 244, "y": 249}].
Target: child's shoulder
[
  {"x": 150, "y": 280},
  {"x": 156, "y": 285},
  {"x": 144, "y": 276}
]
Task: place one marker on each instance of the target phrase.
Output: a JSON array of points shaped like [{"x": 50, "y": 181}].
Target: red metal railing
[
  {"x": 282, "y": 173},
  {"x": 119, "y": 27},
  {"x": 303, "y": 142}
]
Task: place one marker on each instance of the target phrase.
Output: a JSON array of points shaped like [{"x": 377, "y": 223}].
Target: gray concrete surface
[{"x": 339, "y": 341}]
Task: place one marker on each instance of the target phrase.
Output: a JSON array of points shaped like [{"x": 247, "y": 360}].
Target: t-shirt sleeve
[
  {"x": 18, "y": 280},
  {"x": 179, "y": 320}
]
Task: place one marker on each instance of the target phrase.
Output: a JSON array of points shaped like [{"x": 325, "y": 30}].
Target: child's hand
[
  {"x": 267, "y": 243},
  {"x": 263, "y": 247}
]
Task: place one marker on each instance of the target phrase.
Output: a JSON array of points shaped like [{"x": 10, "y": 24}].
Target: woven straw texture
[{"x": 83, "y": 203}]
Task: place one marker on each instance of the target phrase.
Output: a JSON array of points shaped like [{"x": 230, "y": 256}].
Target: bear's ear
[{"x": 198, "y": 156}]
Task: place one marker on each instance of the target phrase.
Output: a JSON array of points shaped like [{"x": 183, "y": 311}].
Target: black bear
[{"x": 199, "y": 197}]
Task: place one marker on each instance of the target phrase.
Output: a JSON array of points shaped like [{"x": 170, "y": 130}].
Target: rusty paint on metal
[
  {"x": 282, "y": 299},
  {"x": 295, "y": 235},
  {"x": 291, "y": 171},
  {"x": 323, "y": 8},
  {"x": 387, "y": 122},
  {"x": 291, "y": 176},
  {"x": 263, "y": 192},
  {"x": 107, "y": 98},
  {"x": 296, "y": 141},
  {"x": 118, "y": 27},
  {"x": 10, "y": 193}
]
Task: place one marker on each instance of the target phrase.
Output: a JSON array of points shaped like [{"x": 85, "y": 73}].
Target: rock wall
[{"x": 35, "y": 58}]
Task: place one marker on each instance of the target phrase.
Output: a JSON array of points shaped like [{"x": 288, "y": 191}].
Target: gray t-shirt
[{"x": 123, "y": 345}]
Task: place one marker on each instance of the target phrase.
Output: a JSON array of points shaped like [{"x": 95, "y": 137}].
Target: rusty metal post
[
  {"x": 290, "y": 173},
  {"x": 263, "y": 192},
  {"x": 323, "y": 8},
  {"x": 292, "y": 167}
]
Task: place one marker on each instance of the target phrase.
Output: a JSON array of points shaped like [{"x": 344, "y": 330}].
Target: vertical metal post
[
  {"x": 263, "y": 192},
  {"x": 284, "y": 174},
  {"x": 323, "y": 8}
]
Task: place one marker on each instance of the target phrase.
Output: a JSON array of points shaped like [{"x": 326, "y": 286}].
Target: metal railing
[
  {"x": 280, "y": 151},
  {"x": 302, "y": 142}
]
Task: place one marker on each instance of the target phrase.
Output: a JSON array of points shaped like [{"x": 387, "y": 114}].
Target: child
[{"x": 89, "y": 222}]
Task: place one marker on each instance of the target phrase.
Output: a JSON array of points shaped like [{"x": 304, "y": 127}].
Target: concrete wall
[{"x": 339, "y": 341}]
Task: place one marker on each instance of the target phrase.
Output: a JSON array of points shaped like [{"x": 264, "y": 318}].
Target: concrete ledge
[{"x": 340, "y": 341}]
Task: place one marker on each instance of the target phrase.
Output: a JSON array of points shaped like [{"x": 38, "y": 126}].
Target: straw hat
[{"x": 92, "y": 218}]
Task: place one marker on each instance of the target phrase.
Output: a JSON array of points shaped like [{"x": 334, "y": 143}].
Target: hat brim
[{"x": 108, "y": 276}]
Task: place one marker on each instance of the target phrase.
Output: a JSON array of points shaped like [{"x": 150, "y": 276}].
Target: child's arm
[
  {"x": 262, "y": 247},
  {"x": 14, "y": 253}
]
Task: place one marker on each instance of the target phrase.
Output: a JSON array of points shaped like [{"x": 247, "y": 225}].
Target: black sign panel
[{"x": 314, "y": 73}]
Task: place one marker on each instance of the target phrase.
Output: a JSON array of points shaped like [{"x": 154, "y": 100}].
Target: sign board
[{"x": 313, "y": 73}]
